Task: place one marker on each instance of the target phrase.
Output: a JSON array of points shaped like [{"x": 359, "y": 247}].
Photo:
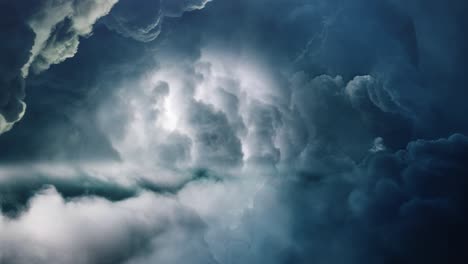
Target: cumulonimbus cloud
[{"x": 229, "y": 150}]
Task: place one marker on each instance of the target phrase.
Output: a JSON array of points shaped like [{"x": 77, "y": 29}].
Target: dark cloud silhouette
[
  {"x": 418, "y": 203},
  {"x": 17, "y": 189},
  {"x": 393, "y": 207}
]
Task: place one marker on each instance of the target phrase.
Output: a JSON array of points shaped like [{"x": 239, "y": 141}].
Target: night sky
[{"x": 233, "y": 132}]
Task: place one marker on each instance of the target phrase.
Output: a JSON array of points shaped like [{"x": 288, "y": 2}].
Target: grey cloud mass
[{"x": 249, "y": 131}]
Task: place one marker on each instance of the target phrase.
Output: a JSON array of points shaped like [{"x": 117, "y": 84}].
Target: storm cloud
[{"x": 226, "y": 131}]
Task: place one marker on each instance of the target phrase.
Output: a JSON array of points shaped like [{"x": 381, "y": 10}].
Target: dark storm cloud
[
  {"x": 385, "y": 39},
  {"x": 404, "y": 207},
  {"x": 307, "y": 131},
  {"x": 414, "y": 201},
  {"x": 357, "y": 113},
  {"x": 348, "y": 117},
  {"x": 414, "y": 48}
]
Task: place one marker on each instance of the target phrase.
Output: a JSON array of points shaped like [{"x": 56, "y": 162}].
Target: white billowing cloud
[
  {"x": 226, "y": 113},
  {"x": 218, "y": 132},
  {"x": 192, "y": 116},
  {"x": 93, "y": 230},
  {"x": 216, "y": 114},
  {"x": 58, "y": 25}
]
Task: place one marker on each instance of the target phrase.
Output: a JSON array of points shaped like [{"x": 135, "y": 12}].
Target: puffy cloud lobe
[
  {"x": 166, "y": 128},
  {"x": 364, "y": 92},
  {"x": 225, "y": 126},
  {"x": 413, "y": 201},
  {"x": 392, "y": 209},
  {"x": 58, "y": 25},
  {"x": 402, "y": 48},
  {"x": 215, "y": 104},
  {"x": 363, "y": 101},
  {"x": 142, "y": 20},
  {"x": 94, "y": 230}
]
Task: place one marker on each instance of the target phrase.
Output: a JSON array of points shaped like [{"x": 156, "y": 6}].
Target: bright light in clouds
[
  {"x": 169, "y": 117},
  {"x": 158, "y": 141},
  {"x": 198, "y": 131},
  {"x": 173, "y": 122}
]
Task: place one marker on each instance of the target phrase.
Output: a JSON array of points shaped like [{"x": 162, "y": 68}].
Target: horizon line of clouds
[{"x": 403, "y": 193}]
